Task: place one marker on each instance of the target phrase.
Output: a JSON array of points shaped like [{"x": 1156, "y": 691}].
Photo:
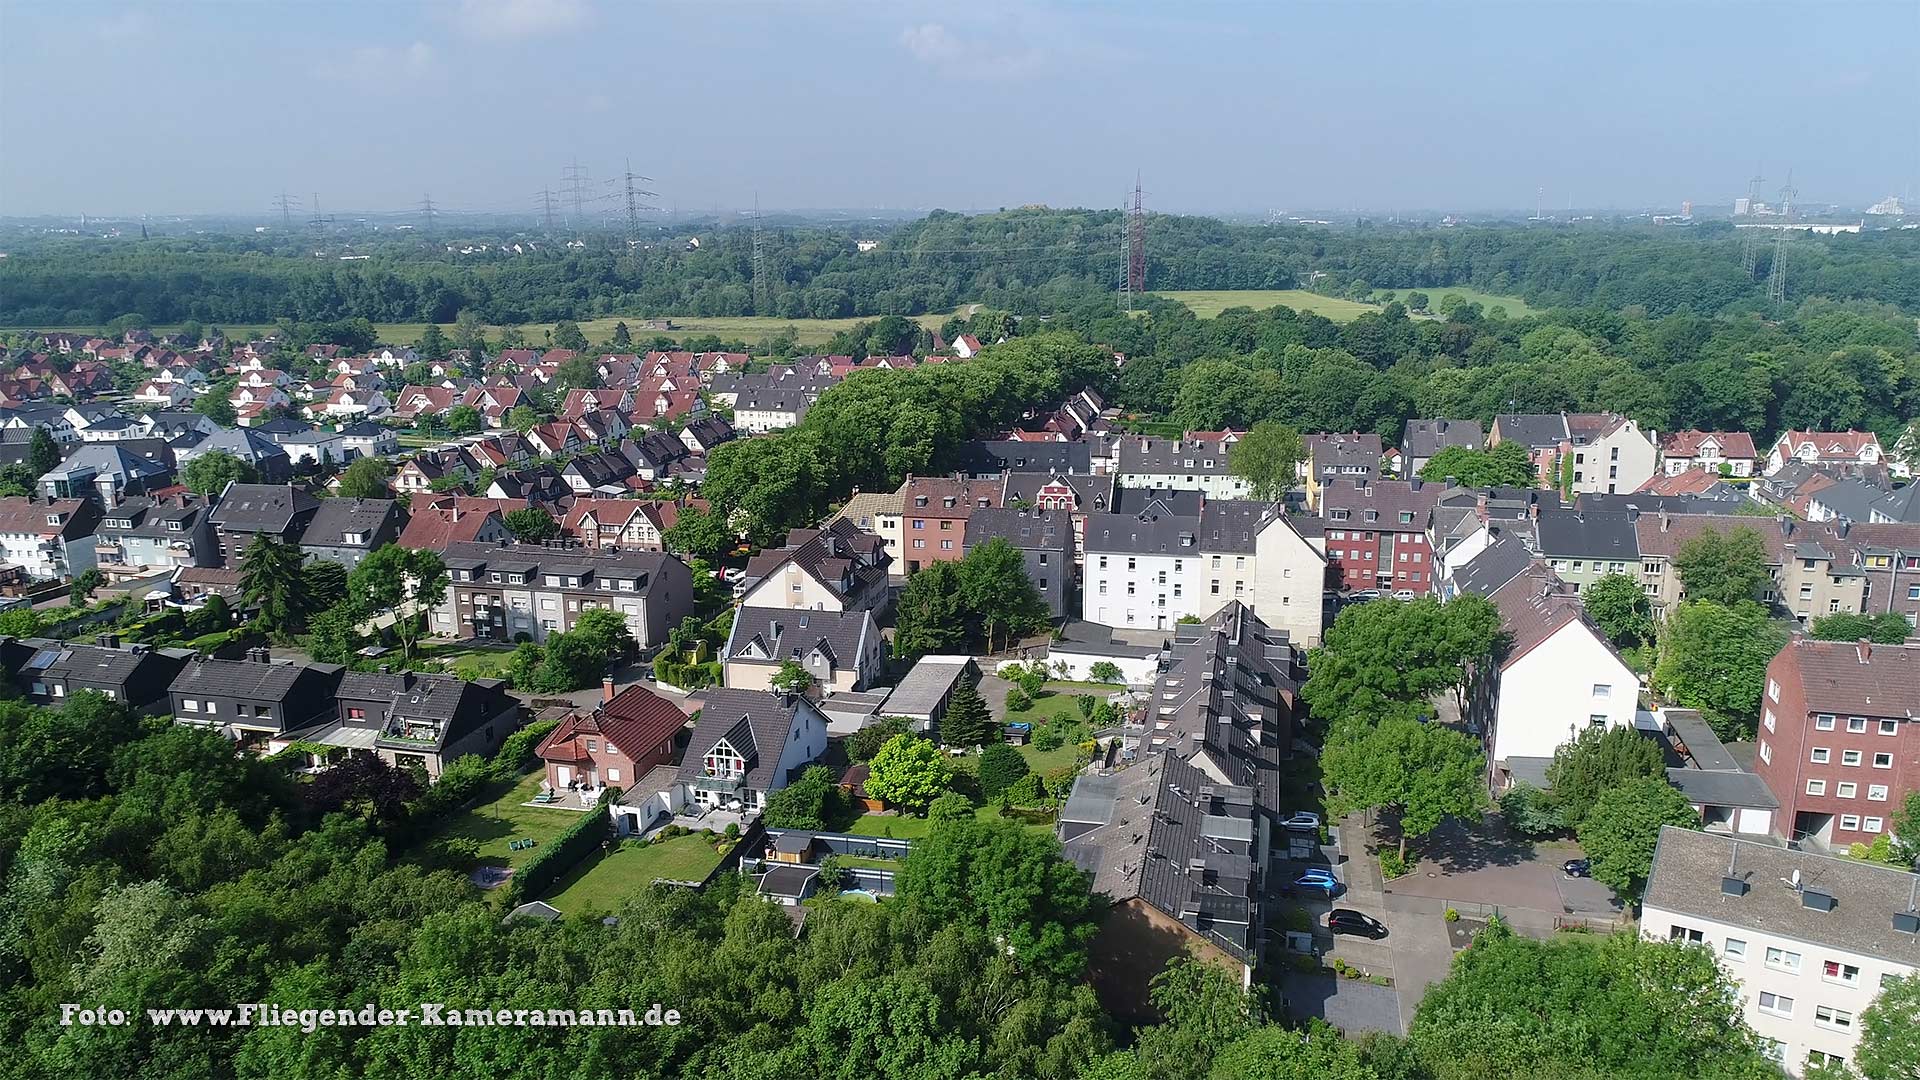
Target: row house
[
  {"x": 603, "y": 472},
  {"x": 163, "y": 395},
  {"x": 345, "y": 404},
  {"x": 413, "y": 719},
  {"x": 1152, "y": 570},
  {"x": 602, "y": 427},
  {"x": 1353, "y": 457},
  {"x": 579, "y": 402},
  {"x": 934, "y": 513},
  {"x": 626, "y": 524},
  {"x": 537, "y": 485},
  {"x": 1425, "y": 438},
  {"x": 1150, "y": 462},
  {"x": 499, "y": 592},
  {"x": 430, "y": 467},
  {"x": 1077, "y": 494},
  {"x": 773, "y": 408},
  {"x": 52, "y": 672},
  {"x": 1844, "y": 453},
  {"x": 702, "y": 435},
  {"x": 414, "y": 401},
  {"x": 48, "y": 539},
  {"x": 142, "y": 536},
  {"x": 1814, "y": 572},
  {"x": 654, "y": 456},
  {"x": 1376, "y": 534},
  {"x": 257, "y": 701},
  {"x": 1808, "y": 940},
  {"x": 1681, "y": 451},
  {"x": 834, "y": 568},
  {"x": 1888, "y": 555},
  {"x": 27, "y": 416},
  {"x": 246, "y": 511},
  {"x": 549, "y": 440},
  {"x": 1583, "y": 546},
  {"x": 1839, "y": 738}
]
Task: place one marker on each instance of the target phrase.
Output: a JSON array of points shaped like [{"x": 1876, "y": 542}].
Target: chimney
[
  {"x": 1666, "y": 519},
  {"x": 1863, "y": 649},
  {"x": 108, "y": 641},
  {"x": 606, "y": 687}
]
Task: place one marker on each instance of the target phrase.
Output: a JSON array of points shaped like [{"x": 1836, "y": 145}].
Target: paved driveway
[
  {"x": 1489, "y": 864},
  {"x": 1352, "y": 1005}
]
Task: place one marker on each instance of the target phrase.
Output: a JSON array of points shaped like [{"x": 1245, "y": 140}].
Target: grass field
[
  {"x": 1210, "y": 302},
  {"x": 905, "y": 827},
  {"x": 603, "y": 881},
  {"x": 751, "y": 329},
  {"x": 1207, "y": 303},
  {"x": 503, "y": 819}
]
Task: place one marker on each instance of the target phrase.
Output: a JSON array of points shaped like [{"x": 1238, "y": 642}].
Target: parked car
[
  {"x": 1358, "y": 595},
  {"x": 1403, "y": 594},
  {"x": 1349, "y": 921},
  {"x": 734, "y": 575},
  {"x": 1577, "y": 868},
  {"x": 1317, "y": 880},
  {"x": 1303, "y": 821}
]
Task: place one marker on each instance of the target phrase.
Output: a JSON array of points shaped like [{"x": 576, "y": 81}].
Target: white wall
[
  {"x": 1136, "y": 670},
  {"x": 776, "y": 591},
  {"x": 1289, "y": 580},
  {"x": 808, "y": 747},
  {"x": 1808, "y": 988},
  {"x": 1546, "y": 696}
]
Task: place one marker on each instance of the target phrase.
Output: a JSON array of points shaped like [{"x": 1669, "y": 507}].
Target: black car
[
  {"x": 1349, "y": 921},
  {"x": 1577, "y": 868}
]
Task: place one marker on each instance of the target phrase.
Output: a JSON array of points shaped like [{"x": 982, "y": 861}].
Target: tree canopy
[
  {"x": 1505, "y": 465},
  {"x": 1724, "y": 568},
  {"x": 1266, "y": 456},
  {"x": 1714, "y": 658}
]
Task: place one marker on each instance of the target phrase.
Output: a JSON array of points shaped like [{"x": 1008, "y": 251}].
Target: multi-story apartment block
[
  {"x": 1376, "y": 534},
  {"x": 1582, "y": 547},
  {"x": 1044, "y": 539},
  {"x": 1814, "y": 571},
  {"x": 1151, "y": 570},
  {"x": 143, "y": 535},
  {"x": 934, "y": 512},
  {"x": 49, "y": 539},
  {"x": 836, "y": 568},
  {"x": 1352, "y": 457},
  {"x": 1810, "y": 940},
  {"x": 1585, "y": 452},
  {"x": 1839, "y": 738},
  {"x": 1425, "y": 438},
  {"x": 1198, "y": 464},
  {"x": 499, "y": 592}
]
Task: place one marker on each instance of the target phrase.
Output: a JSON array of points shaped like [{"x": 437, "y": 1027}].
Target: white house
[
  {"x": 1559, "y": 677},
  {"x": 1709, "y": 450},
  {"x": 1182, "y": 464},
  {"x": 1844, "y": 451},
  {"x": 1809, "y": 940},
  {"x": 747, "y": 745},
  {"x": 49, "y": 539}
]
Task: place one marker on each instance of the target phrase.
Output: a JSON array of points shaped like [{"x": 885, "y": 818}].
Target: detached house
[
  {"x": 348, "y": 530},
  {"x": 842, "y": 650},
  {"x": 626, "y": 737},
  {"x": 50, "y": 540},
  {"x": 1709, "y": 450},
  {"x": 747, "y": 745},
  {"x": 1559, "y": 676},
  {"x": 1845, "y": 453}
]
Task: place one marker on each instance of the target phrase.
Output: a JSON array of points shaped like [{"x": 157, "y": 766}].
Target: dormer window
[
  {"x": 176, "y": 526},
  {"x": 54, "y": 519}
]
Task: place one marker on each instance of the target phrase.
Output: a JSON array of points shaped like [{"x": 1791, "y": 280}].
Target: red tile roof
[{"x": 637, "y": 720}]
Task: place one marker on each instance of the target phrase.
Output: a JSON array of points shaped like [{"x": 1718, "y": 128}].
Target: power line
[
  {"x": 574, "y": 185},
  {"x": 426, "y": 207},
  {"x": 634, "y": 205},
  {"x": 319, "y": 221},
  {"x": 1136, "y": 246},
  {"x": 286, "y": 204},
  {"x": 1750, "y": 250},
  {"x": 761, "y": 292},
  {"x": 1777, "y": 279},
  {"x": 546, "y": 206}
]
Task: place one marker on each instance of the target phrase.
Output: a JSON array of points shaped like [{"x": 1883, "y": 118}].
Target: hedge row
[
  {"x": 557, "y": 857},
  {"x": 516, "y": 752}
]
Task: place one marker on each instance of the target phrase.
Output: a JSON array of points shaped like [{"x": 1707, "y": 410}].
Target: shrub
[
  {"x": 516, "y": 753},
  {"x": 1000, "y": 766},
  {"x": 1305, "y": 963},
  {"x": 1452, "y": 915},
  {"x": 1392, "y": 865},
  {"x": 1029, "y": 790},
  {"x": 1297, "y": 918},
  {"x": 1018, "y": 700}
]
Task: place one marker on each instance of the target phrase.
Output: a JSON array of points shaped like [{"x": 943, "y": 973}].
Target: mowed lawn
[
  {"x": 1516, "y": 307},
  {"x": 469, "y": 660},
  {"x": 907, "y": 827},
  {"x": 1057, "y": 698},
  {"x": 1207, "y": 303},
  {"x": 502, "y": 819},
  {"x": 604, "y": 880}
]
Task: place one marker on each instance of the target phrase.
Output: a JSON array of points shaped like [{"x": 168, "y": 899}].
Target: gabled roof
[
  {"x": 244, "y": 679},
  {"x": 1425, "y": 438},
  {"x": 1578, "y": 534},
  {"x": 1535, "y": 606},
  {"x": 338, "y": 517},
  {"x": 262, "y": 507},
  {"x": 1687, "y": 444},
  {"x": 756, "y": 723},
  {"x": 1845, "y": 677},
  {"x": 1048, "y": 530},
  {"x": 771, "y": 635},
  {"x": 1502, "y": 561},
  {"x": 1532, "y": 430},
  {"x": 637, "y": 720}
]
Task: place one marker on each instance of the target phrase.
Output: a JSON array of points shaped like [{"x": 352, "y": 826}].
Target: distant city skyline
[{"x": 117, "y": 109}]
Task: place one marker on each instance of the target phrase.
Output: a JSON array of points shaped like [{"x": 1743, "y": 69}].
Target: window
[
  {"x": 1850, "y": 822},
  {"x": 189, "y": 705},
  {"x": 1767, "y": 719},
  {"x": 1103, "y": 562},
  {"x": 1871, "y": 825},
  {"x": 1844, "y": 974},
  {"x": 1856, "y": 724},
  {"x": 1103, "y": 588},
  {"x": 1889, "y": 727},
  {"x": 213, "y": 707},
  {"x": 1597, "y": 720},
  {"x": 1775, "y": 1004},
  {"x": 1816, "y": 787},
  {"x": 1782, "y": 960},
  {"x": 1774, "y": 1050},
  {"x": 1684, "y": 933},
  {"x": 1846, "y": 789},
  {"x": 1766, "y": 752},
  {"x": 1823, "y": 722},
  {"x": 1735, "y": 949},
  {"x": 1773, "y": 690},
  {"x": 1827, "y": 1016},
  {"x": 613, "y": 776},
  {"x": 356, "y": 714},
  {"x": 1602, "y": 690},
  {"x": 1876, "y": 793},
  {"x": 1850, "y": 758},
  {"x": 1821, "y": 755},
  {"x": 1821, "y": 1057},
  {"x": 1882, "y": 760}
]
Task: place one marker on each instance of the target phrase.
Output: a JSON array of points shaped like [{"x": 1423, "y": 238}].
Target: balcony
[{"x": 720, "y": 785}]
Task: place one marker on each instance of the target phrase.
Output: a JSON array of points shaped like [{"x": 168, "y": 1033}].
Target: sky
[{"x": 198, "y": 106}]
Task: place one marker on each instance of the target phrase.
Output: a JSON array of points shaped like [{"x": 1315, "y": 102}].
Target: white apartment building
[
  {"x": 1149, "y": 572},
  {"x": 1809, "y": 939},
  {"x": 1181, "y": 464}
]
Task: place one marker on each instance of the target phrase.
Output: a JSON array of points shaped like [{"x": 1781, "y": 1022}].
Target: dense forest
[{"x": 930, "y": 265}]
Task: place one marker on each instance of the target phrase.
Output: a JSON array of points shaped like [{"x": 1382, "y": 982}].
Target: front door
[{"x": 565, "y": 773}]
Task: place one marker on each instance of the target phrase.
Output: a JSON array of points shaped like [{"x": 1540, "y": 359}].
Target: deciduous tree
[
  {"x": 1886, "y": 628},
  {"x": 530, "y": 524},
  {"x": 1714, "y": 658},
  {"x": 909, "y": 772},
  {"x": 1618, "y": 834},
  {"x": 364, "y": 478},
  {"x": 1429, "y": 772},
  {"x": 1620, "y": 607},
  {"x": 211, "y": 472},
  {"x": 1596, "y": 762},
  {"x": 1505, "y": 465},
  {"x": 1266, "y": 456},
  {"x": 1723, "y": 568}
]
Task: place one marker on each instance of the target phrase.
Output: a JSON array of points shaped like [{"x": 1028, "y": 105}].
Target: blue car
[{"x": 1321, "y": 881}]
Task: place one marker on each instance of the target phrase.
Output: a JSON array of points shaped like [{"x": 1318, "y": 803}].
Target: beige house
[
  {"x": 1813, "y": 568},
  {"x": 878, "y": 512},
  {"x": 842, "y": 651}
]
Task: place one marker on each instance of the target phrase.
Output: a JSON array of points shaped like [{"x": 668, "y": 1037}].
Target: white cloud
[
  {"x": 946, "y": 52},
  {"x": 521, "y": 18}
]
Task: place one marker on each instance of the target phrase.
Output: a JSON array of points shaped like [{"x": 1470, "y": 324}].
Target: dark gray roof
[
  {"x": 1128, "y": 535},
  {"x": 1850, "y": 499},
  {"x": 1230, "y": 525},
  {"x": 1710, "y": 787},
  {"x": 1425, "y": 438},
  {"x": 1095, "y": 492},
  {"x": 643, "y": 566},
  {"x": 790, "y": 634},
  {"x": 1350, "y": 454},
  {"x": 1576, "y": 534},
  {"x": 756, "y": 723},
  {"x": 337, "y": 517},
  {"x": 96, "y": 664},
  {"x": 989, "y": 457},
  {"x": 1645, "y": 503},
  {"x": 1225, "y": 689},
  {"x": 242, "y": 679},
  {"x": 261, "y": 507},
  {"x": 1533, "y": 430},
  {"x": 362, "y": 429},
  {"x": 1164, "y": 832},
  {"x": 1501, "y": 562},
  {"x": 453, "y": 706},
  {"x": 1048, "y": 530},
  {"x": 1161, "y": 501},
  {"x": 110, "y": 458},
  {"x": 1688, "y": 866},
  {"x": 925, "y": 687},
  {"x": 242, "y": 443},
  {"x": 1150, "y": 455}
]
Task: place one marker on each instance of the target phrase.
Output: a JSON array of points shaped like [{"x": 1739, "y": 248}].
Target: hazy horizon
[{"x": 216, "y": 108}]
